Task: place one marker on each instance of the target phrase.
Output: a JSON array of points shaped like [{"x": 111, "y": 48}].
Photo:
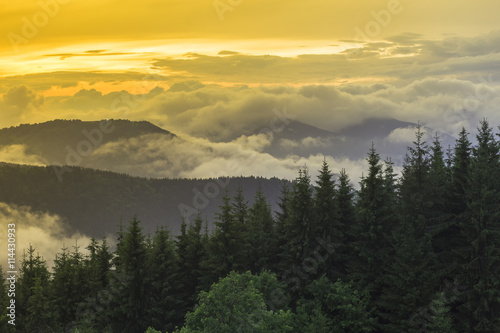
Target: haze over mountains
[{"x": 145, "y": 150}]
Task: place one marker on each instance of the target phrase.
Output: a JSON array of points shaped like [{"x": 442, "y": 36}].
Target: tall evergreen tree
[
  {"x": 327, "y": 223},
  {"x": 191, "y": 253},
  {"x": 240, "y": 215},
  {"x": 440, "y": 219},
  {"x": 299, "y": 228},
  {"x": 33, "y": 309},
  {"x": 460, "y": 174},
  {"x": 481, "y": 272},
  {"x": 261, "y": 233},
  {"x": 226, "y": 249},
  {"x": 128, "y": 306},
  {"x": 411, "y": 273},
  {"x": 162, "y": 284},
  {"x": 347, "y": 222},
  {"x": 282, "y": 216},
  {"x": 69, "y": 286},
  {"x": 375, "y": 224}
]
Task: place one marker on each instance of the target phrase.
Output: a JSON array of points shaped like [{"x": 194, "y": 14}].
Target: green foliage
[
  {"x": 161, "y": 283},
  {"x": 192, "y": 253},
  {"x": 128, "y": 283},
  {"x": 226, "y": 253},
  {"x": 261, "y": 234},
  {"x": 33, "y": 311},
  {"x": 328, "y": 227},
  {"x": 481, "y": 272},
  {"x": 69, "y": 285},
  {"x": 234, "y": 304},
  {"x": 410, "y": 276},
  {"x": 299, "y": 227},
  {"x": 333, "y": 307},
  {"x": 376, "y": 220}
]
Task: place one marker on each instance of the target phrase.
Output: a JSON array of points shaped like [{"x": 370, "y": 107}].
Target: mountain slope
[
  {"x": 54, "y": 140},
  {"x": 94, "y": 202}
]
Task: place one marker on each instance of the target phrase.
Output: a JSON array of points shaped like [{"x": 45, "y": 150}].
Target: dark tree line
[{"x": 415, "y": 253}]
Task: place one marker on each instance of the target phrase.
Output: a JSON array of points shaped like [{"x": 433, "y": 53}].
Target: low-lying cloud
[
  {"x": 158, "y": 156},
  {"x": 47, "y": 233},
  {"x": 17, "y": 154}
]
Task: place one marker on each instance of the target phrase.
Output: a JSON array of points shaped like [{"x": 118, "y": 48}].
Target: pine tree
[
  {"x": 191, "y": 255},
  {"x": 300, "y": 231},
  {"x": 480, "y": 226},
  {"x": 32, "y": 292},
  {"x": 39, "y": 318},
  {"x": 69, "y": 286},
  {"x": 375, "y": 223},
  {"x": 94, "y": 313},
  {"x": 261, "y": 233},
  {"x": 226, "y": 250},
  {"x": 282, "y": 216},
  {"x": 162, "y": 284},
  {"x": 411, "y": 271},
  {"x": 240, "y": 215},
  {"x": 460, "y": 174},
  {"x": 128, "y": 304},
  {"x": 439, "y": 215},
  {"x": 327, "y": 223},
  {"x": 347, "y": 219}
]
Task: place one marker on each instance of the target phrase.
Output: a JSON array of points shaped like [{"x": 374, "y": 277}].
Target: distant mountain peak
[{"x": 53, "y": 139}]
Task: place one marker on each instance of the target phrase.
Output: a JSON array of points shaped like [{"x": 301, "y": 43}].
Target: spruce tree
[
  {"x": 261, "y": 233},
  {"x": 299, "y": 228},
  {"x": 69, "y": 286},
  {"x": 240, "y": 215},
  {"x": 481, "y": 271},
  {"x": 326, "y": 213},
  {"x": 282, "y": 216},
  {"x": 162, "y": 284},
  {"x": 375, "y": 224},
  {"x": 440, "y": 219},
  {"x": 128, "y": 305},
  {"x": 191, "y": 255},
  {"x": 411, "y": 270},
  {"x": 460, "y": 174},
  {"x": 347, "y": 220},
  {"x": 226, "y": 243},
  {"x": 32, "y": 293}
]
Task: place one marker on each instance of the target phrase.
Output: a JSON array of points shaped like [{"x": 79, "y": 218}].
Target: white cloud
[
  {"x": 47, "y": 233},
  {"x": 17, "y": 154}
]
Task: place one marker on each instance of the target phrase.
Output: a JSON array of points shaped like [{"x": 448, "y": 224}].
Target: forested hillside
[
  {"x": 415, "y": 253},
  {"x": 51, "y": 140},
  {"x": 94, "y": 202}
]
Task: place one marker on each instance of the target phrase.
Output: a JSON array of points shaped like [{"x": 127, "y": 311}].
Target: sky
[{"x": 209, "y": 69}]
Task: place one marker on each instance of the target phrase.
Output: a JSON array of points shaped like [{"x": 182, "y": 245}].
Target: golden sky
[
  {"x": 56, "y": 53},
  {"x": 33, "y": 29}
]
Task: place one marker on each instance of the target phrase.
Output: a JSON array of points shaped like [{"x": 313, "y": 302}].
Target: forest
[
  {"x": 415, "y": 252},
  {"x": 94, "y": 202}
]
